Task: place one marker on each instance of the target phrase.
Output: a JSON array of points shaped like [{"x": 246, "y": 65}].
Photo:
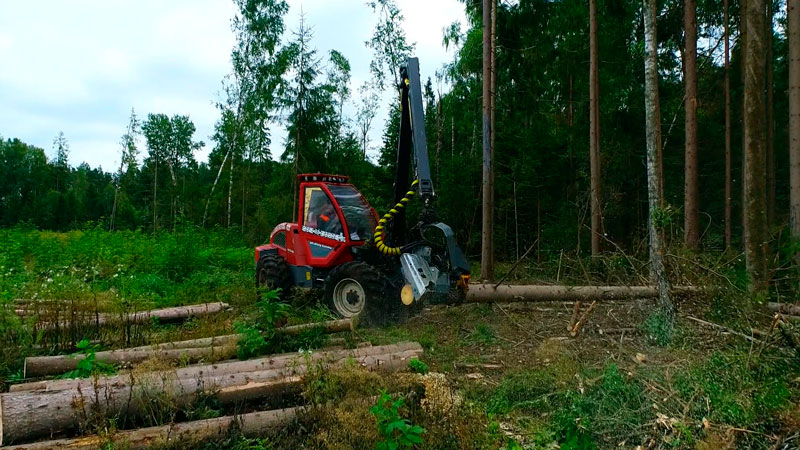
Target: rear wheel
[
  {"x": 272, "y": 272},
  {"x": 358, "y": 289}
]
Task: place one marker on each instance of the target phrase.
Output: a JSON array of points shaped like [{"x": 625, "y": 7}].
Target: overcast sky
[{"x": 79, "y": 66}]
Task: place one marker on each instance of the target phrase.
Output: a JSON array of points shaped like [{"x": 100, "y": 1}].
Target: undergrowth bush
[{"x": 734, "y": 389}]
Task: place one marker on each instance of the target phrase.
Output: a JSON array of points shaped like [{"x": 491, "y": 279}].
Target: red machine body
[{"x": 316, "y": 241}]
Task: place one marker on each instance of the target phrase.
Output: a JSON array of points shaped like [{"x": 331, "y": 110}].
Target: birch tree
[
  {"x": 653, "y": 136},
  {"x": 127, "y": 159}
]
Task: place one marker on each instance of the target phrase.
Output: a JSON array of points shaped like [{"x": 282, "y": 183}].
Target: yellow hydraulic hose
[{"x": 379, "y": 230}]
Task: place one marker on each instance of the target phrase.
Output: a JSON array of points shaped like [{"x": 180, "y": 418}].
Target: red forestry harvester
[{"x": 339, "y": 244}]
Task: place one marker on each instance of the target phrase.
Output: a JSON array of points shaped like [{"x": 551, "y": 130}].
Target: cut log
[
  {"x": 489, "y": 293},
  {"x": 191, "y": 351},
  {"x": 173, "y": 314},
  {"x": 37, "y": 366},
  {"x": 784, "y": 308},
  {"x": 252, "y": 424},
  {"x": 31, "y": 414},
  {"x": 224, "y": 368},
  {"x": 328, "y": 327}
]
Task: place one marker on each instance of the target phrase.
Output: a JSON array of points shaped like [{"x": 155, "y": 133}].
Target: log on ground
[
  {"x": 252, "y": 424},
  {"x": 488, "y": 293},
  {"x": 191, "y": 351},
  {"x": 222, "y": 368},
  {"x": 38, "y": 366},
  {"x": 784, "y": 308},
  {"x": 172, "y": 314},
  {"x": 328, "y": 327},
  {"x": 28, "y": 415}
]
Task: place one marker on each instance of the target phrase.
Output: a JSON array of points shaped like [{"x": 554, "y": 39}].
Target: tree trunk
[
  {"x": 30, "y": 414},
  {"x": 784, "y": 308},
  {"x": 691, "y": 225},
  {"x": 487, "y": 233},
  {"x": 175, "y": 197},
  {"x": 770, "y": 121},
  {"x": 155, "y": 199},
  {"x": 755, "y": 188},
  {"x": 488, "y": 293},
  {"x": 594, "y": 132},
  {"x": 214, "y": 186},
  {"x": 230, "y": 192},
  {"x": 793, "y": 19},
  {"x": 728, "y": 182},
  {"x": 653, "y": 129},
  {"x": 116, "y": 191},
  {"x": 439, "y": 125},
  {"x": 252, "y": 424}
]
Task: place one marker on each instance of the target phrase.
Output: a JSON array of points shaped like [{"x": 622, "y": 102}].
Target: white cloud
[{"x": 80, "y": 66}]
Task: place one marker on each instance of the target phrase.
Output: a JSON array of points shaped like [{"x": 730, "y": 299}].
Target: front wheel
[
  {"x": 272, "y": 272},
  {"x": 358, "y": 289}
]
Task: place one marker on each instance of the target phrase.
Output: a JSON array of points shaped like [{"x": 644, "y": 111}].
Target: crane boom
[{"x": 413, "y": 140}]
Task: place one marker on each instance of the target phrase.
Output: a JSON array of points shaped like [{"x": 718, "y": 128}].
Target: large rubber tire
[
  {"x": 272, "y": 272},
  {"x": 357, "y": 288}
]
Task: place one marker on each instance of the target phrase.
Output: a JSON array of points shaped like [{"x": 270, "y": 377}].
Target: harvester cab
[{"x": 341, "y": 246}]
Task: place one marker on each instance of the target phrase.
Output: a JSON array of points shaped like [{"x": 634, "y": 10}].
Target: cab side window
[{"x": 319, "y": 215}]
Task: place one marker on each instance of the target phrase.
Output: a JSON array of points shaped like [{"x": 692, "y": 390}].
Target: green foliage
[
  {"x": 251, "y": 343},
  {"x": 658, "y": 329},
  {"x": 664, "y": 217},
  {"x": 418, "y": 366},
  {"x": 483, "y": 334},
  {"x": 88, "y": 365},
  {"x": 609, "y": 410},
  {"x": 527, "y": 390},
  {"x": 738, "y": 394},
  {"x": 396, "y": 432}
]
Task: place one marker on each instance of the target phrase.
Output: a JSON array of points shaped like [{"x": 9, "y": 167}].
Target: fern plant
[{"x": 397, "y": 433}]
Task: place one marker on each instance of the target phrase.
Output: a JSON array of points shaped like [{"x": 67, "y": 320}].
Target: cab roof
[{"x": 323, "y": 177}]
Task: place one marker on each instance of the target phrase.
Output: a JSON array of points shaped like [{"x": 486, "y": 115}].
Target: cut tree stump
[
  {"x": 29, "y": 415},
  {"x": 785, "y": 308},
  {"x": 252, "y": 424},
  {"x": 489, "y": 293},
  {"x": 191, "y": 351}
]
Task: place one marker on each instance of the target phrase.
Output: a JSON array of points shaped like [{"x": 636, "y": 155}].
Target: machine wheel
[
  {"x": 272, "y": 273},
  {"x": 357, "y": 289}
]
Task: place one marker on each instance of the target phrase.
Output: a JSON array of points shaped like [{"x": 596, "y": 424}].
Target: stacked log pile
[
  {"x": 189, "y": 351},
  {"x": 41, "y": 409}
]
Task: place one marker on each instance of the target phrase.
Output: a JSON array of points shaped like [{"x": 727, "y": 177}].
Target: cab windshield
[{"x": 357, "y": 213}]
